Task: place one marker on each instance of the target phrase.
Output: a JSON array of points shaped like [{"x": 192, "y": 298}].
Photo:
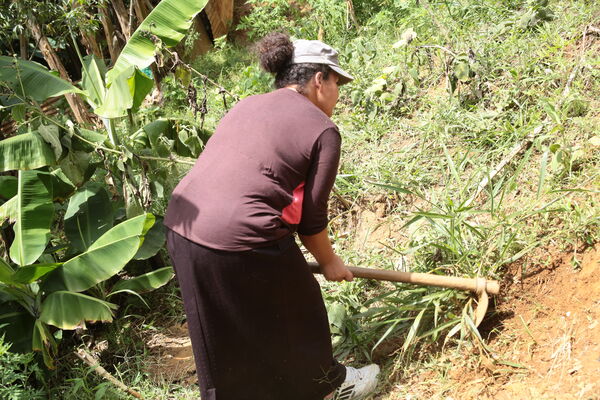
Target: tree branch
[{"x": 91, "y": 361}]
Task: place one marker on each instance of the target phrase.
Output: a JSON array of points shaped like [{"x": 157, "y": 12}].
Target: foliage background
[{"x": 444, "y": 90}]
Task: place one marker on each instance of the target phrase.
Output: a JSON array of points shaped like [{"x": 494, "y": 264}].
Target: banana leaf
[
  {"x": 26, "y": 151},
  {"x": 144, "y": 283},
  {"x": 126, "y": 92},
  {"x": 103, "y": 259},
  {"x": 68, "y": 310},
  {"x": 30, "y": 79},
  {"x": 92, "y": 80},
  {"x": 32, "y": 273},
  {"x": 169, "y": 21},
  {"x": 8, "y": 211},
  {"x": 8, "y": 187},
  {"x": 42, "y": 340},
  {"x": 16, "y": 325},
  {"x": 89, "y": 215},
  {"x": 154, "y": 240},
  {"x": 6, "y": 272},
  {"x": 62, "y": 187},
  {"x": 34, "y": 214}
]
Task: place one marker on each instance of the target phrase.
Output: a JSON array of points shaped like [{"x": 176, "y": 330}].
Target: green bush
[{"x": 18, "y": 373}]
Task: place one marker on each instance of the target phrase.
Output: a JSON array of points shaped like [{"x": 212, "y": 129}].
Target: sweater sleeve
[{"x": 321, "y": 177}]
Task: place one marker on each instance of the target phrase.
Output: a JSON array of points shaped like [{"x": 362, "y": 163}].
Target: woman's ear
[{"x": 318, "y": 80}]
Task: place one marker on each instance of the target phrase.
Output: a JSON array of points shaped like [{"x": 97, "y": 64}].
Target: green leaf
[
  {"x": 157, "y": 130},
  {"x": 451, "y": 164},
  {"x": 145, "y": 283},
  {"x": 414, "y": 328},
  {"x": 77, "y": 167},
  {"x": 139, "y": 225},
  {"x": 18, "y": 112},
  {"x": 126, "y": 92},
  {"x": 433, "y": 215},
  {"x": 67, "y": 310},
  {"x": 8, "y": 187},
  {"x": 26, "y": 151},
  {"x": 18, "y": 326},
  {"x": 154, "y": 240},
  {"x": 6, "y": 272},
  {"x": 89, "y": 215},
  {"x": 118, "y": 98},
  {"x": 92, "y": 136},
  {"x": 62, "y": 187},
  {"x": 35, "y": 212},
  {"x": 103, "y": 259},
  {"x": 395, "y": 188},
  {"x": 50, "y": 133},
  {"x": 139, "y": 87},
  {"x": 8, "y": 211},
  {"x": 92, "y": 80},
  {"x": 32, "y": 273},
  {"x": 542, "y": 177},
  {"x": 388, "y": 331},
  {"x": 28, "y": 78},
  {"x": 336, "y": 314},
  {"x": 169, "y": 22},
  {"x": 462, "y": 71},
  {"x": 43, "y": 341}
]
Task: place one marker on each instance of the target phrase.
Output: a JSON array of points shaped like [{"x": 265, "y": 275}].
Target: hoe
[{"x": 482, "y": 287}]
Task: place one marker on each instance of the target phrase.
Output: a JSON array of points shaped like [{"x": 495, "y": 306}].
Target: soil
[
  {"x": 542, "y": 340},
  {"x": 171, "y": 357}
]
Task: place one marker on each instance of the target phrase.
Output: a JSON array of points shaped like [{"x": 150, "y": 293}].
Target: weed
[{"x": 19, "y": 372}]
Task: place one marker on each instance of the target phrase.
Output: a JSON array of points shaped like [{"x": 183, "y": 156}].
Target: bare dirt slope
[
  {"x": 552, "y": 329},
  {"x": 544, "y": 340}
]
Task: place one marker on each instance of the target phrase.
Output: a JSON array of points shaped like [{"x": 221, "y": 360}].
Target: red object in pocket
[{"x": 292, "y": 214}]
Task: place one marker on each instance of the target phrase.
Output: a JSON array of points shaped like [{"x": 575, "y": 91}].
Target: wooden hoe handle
[{"x": 477, "y": 285}]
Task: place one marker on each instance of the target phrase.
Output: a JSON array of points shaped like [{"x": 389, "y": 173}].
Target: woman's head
[{"x": 309, "y": 67}]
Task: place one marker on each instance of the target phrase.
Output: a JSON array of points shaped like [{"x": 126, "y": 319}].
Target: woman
[{"x": 255, "y": 314}]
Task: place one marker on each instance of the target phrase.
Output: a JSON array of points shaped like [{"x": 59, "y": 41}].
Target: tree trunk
[
  {"x": 109, "y": 33},
  {"x": 203, "y": 44},
  {"x": 91, "y": 44},
  {"x": 122, "y": 17},
  {"x": 241, "y": 8},
  {"x": 149, "y": 6},
  {"x": 220, "y": 15},
  {"x": 88, "y": 38},
  {"x": 141, "y": 12},
  {"x": 23, "y": 45},
  {"x": 55, "y": 63}
]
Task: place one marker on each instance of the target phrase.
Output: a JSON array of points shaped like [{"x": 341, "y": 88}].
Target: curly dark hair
[{"x": 275, "y": 52}]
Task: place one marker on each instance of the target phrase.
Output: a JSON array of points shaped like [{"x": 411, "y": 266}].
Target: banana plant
[
  {"x": 51, "y": 279},
  {"x": 123, "y": 88},
  {"x": 69, "y": 293}
]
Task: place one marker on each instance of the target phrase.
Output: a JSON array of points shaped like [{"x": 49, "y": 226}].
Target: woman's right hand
[
  {"x": 332, "y": 266},
  {"x": 335, "y": 270}
]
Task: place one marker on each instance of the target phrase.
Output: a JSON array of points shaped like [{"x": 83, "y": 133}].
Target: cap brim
[{"x": 344, "y": 77}]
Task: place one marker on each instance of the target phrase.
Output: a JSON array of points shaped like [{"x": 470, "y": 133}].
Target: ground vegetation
[{"x": 470, "y": 148}]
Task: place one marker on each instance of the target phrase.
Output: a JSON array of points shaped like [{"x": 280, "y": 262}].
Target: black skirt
[{"x": 257, "y": 322}]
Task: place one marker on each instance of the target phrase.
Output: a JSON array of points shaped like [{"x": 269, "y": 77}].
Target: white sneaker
[{"x": 358, "y": 384}]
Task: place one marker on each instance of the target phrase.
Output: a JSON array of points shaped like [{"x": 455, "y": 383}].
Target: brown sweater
[{"x": 266, "y": 172}]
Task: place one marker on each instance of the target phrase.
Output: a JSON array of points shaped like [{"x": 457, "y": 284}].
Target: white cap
[{"x": 317, "y": 52}]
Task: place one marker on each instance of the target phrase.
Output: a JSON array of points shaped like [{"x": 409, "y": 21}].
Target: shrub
[{"x": 18, "y": 373}]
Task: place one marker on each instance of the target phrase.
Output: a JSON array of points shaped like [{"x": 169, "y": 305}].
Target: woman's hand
[
  {"x": 336, "y": 270},
  {"x": 332, "y": 266}
]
